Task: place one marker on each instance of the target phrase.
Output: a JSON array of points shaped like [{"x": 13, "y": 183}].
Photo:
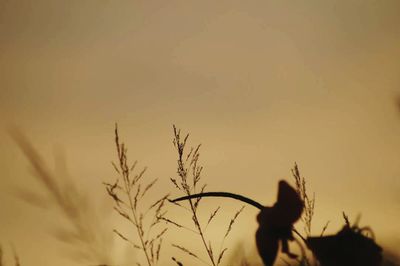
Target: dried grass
[
  {"x": 127, "y": 198},
  {"x": 130, "y": 187},
  {"x": 188, "y": 182},
  {"x": 309, "y": 202}
]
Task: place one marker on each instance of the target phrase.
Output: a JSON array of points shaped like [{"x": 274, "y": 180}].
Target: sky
[{"x": 261, "y": 85}]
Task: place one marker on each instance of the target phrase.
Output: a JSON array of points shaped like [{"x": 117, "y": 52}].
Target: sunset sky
[{"x": 261, "y": 84}]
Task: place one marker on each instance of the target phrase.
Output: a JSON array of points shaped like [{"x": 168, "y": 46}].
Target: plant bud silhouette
[
  {"x": 275, "y": 223},
  {"x": 349, "y": 247}
]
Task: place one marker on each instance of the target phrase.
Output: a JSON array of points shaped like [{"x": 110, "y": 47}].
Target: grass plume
[
  {"x": 127, "y": 191},
  {"x": 309, "y": 202},
  {"x": 188, "y": 182}
]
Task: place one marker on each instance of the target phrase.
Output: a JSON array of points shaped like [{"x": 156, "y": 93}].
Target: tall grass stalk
[
  {"x": 127, "y": 203},
  {"x": 188, "y": 181}
]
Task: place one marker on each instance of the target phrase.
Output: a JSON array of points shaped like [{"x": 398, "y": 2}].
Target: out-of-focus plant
[{"x": 85, "y": 233}]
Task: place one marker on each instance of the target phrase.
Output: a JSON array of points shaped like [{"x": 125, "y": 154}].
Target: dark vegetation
[{"x": 277, "y": 239}]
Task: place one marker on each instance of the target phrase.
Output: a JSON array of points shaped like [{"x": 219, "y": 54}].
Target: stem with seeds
[{"x": 139, "y": 231}]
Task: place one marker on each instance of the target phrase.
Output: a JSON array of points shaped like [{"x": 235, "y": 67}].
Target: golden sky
[{"x": 260, "y": 84}]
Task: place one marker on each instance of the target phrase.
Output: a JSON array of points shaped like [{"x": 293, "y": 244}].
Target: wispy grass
[
  {"x": 309, "y": 202},
  {"x": 188, "y": 182},
  {"x": 84, "y": 232},
  {"x": 308, "y": 212},
  {"x": 127, "y": 192}
]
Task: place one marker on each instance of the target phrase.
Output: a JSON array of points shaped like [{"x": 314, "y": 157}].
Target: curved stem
[
  {"x": 240, "y": 198},
  {"x": 221, "y": 194}
]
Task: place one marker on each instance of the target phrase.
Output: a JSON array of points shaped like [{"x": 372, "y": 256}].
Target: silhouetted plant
[
  {"x": 275, "y": 222},
  {"x": 127, "y": 198},
  {"x": 188, "y": 182},
  {"x": 309, "y": 203},
  {"x": 348, "y": 247},
  {"x": 351, "y": 246}
]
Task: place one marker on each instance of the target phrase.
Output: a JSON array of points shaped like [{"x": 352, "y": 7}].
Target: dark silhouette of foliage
[
  {"x": 275, "y": 223},
  {"x": 350, "y": 246}
]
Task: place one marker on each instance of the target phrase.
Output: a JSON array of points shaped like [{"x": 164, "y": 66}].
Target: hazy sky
[{"x": 260, "y": 84}]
